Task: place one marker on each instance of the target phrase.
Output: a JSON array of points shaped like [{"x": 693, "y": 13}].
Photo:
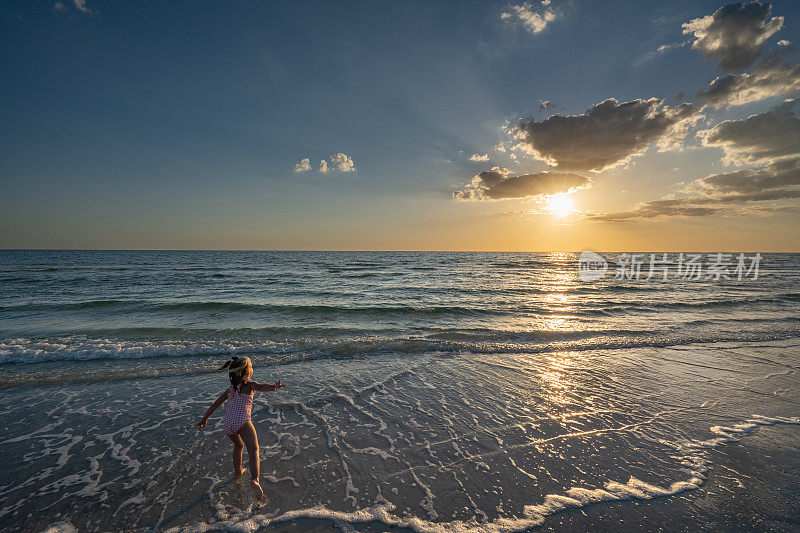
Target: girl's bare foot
[
  {"x": 257, "y": 489},
  {"x": 238, "y": 475}
]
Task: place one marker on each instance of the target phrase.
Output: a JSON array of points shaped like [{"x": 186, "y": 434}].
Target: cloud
[
  {"x": 720, "y": 192},
  {"x": 661, "y": 50},
  {"x": 758, "y": 138},
  {"x": 691, "y": 207},
  {"x": 669, "y": 46},
  {"x": 771, "y": 77},
  {"x": 340, "y": 162},
  {"x": 608, "y": 134},
  {"x": 784, "y": 42},
  {"x": 545, "y": 104},
  {"x": 303, "y": 166},
  {"x": 479, "y": 157},
  {"x": 343, "y": 163},
  {"x": 783, "y": 173},
  {"x": 734, "y": 35},
  {"x": 80, "y": 5},
  {"x": 534, "y": 18},
  {"x": 496, "y": 184},
  {"x": 765, "y": 210},
  {"x": 655, "y": 209}
]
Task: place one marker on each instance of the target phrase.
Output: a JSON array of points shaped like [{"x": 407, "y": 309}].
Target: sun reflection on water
[{"x": 554, "y": 378}]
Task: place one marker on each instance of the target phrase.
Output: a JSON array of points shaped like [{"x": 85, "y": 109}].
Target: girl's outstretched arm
[
  {"x": 266, "y": 387},
  {"x": 214, "y": 406}
]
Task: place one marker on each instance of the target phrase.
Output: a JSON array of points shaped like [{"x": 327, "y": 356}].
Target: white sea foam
[
  {"x": 533, "y": 515},
  {"x": 61, "y": 527},
  {"x": 82, "y": 347}
]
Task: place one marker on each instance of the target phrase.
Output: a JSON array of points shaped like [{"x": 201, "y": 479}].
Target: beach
[{"x": 427, "y": 391}]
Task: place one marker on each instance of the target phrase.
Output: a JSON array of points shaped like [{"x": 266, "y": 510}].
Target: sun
[{"x": 560, "y": 205}]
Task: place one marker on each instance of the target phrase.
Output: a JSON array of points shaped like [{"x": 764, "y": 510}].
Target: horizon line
[{"x": 378, "y": 250}]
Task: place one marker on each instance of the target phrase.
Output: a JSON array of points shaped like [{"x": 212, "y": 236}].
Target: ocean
[{"x": 427, "y": 391}]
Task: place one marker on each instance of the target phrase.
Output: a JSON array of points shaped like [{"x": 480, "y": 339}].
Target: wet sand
[{"x": 672, "y": 438}]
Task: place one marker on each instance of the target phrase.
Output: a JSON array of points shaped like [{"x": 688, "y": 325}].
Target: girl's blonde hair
[{"x": 239, "y": 369}]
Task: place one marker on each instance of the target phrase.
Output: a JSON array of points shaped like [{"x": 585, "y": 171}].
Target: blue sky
[{"x": 179, "y": 125}]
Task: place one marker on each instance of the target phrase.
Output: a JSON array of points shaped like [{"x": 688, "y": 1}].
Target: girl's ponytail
[{"x": 239, "y": 369}]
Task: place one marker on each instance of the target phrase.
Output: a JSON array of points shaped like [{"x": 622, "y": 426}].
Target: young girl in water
[{"x": 236, "y": 421}]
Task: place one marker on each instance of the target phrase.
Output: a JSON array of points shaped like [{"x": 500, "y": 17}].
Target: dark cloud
[
  {"x": 763, "y": 196},
  {"x": 734, "y": 35},
  {"x": 771, "y": 77},
  {"x": 496, "y": 184},
  {"x": 782, "y": 173},
  {"x": 720, "y": 192},
  {"x": 766, "y": 210},
  {"x": 692, "y": 207},
  {"x": 764, "y": 137},
  {"x": 608, "y": 134},
  {"x": 655, "y": 209}
]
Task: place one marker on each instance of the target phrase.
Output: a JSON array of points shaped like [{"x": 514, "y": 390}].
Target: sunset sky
[{"x": 561, "y": 125}]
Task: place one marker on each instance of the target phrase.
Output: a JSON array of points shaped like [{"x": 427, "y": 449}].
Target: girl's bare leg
[
  {"x": 238, "y": 446},
  {"x": 250, "y": 438}
]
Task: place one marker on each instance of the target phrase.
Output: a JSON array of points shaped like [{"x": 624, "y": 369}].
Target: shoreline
[{"x": 326, "y": 429}]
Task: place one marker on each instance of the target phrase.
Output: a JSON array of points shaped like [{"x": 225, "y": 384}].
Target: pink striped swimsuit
[{"x": 237, "y": 409}]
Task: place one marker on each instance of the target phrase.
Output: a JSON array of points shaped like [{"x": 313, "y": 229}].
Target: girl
[{"x": 236, "y": 421}]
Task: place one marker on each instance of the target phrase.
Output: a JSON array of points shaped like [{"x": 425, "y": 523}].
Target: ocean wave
[
  {"x": 74, "y": 268},
  {"x": 81, "y": 348},
  {"x": 659, "y": 305},
  {"x": 15, "y": 279},
  {"x": 272, "y": 348},
  {"x": 482, "y": 335},
  {"x": 203, "y": 268},
  {"x": 519, "y": 264},
  {"x": 157, "y": 306},
  {"x": 611, "y": 307}
]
